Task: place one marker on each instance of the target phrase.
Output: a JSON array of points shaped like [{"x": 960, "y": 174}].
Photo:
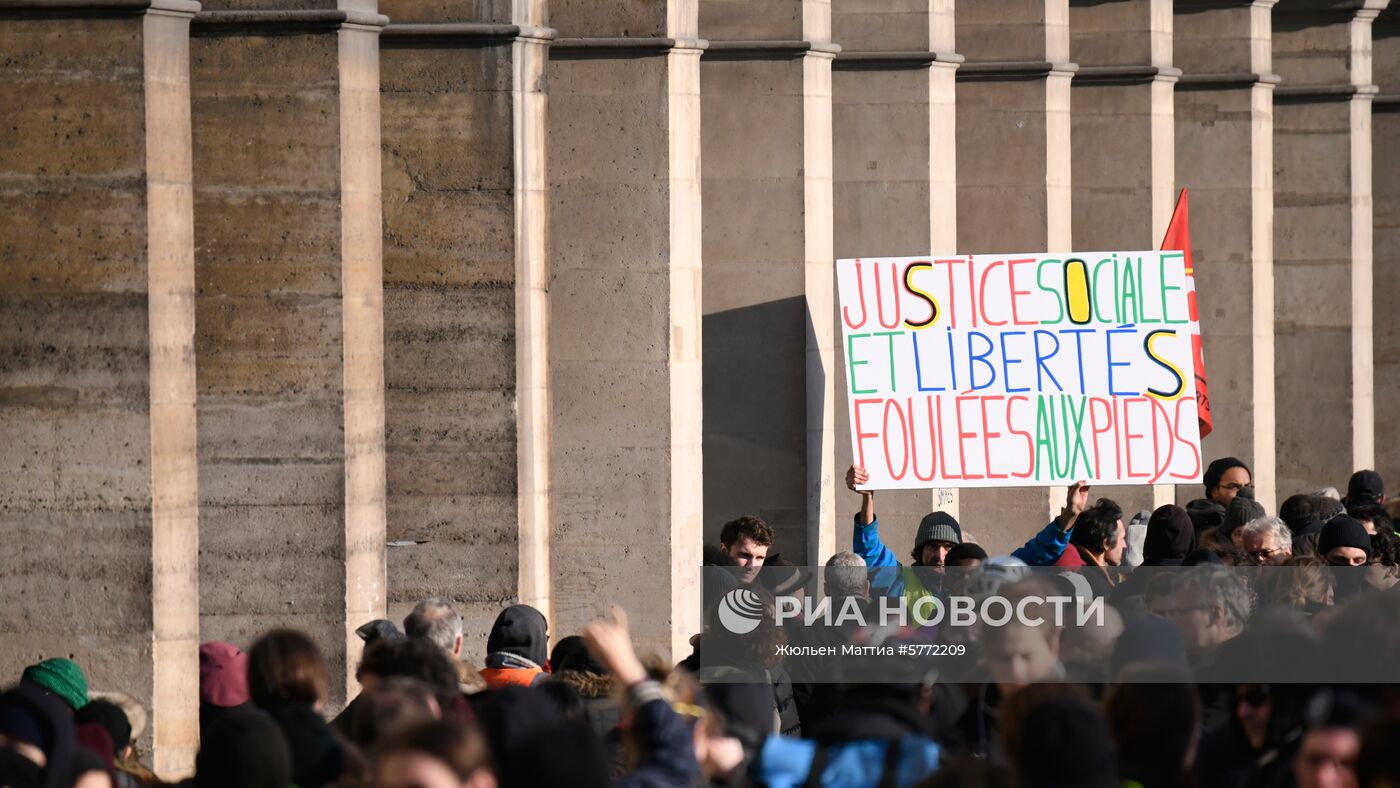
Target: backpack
[{"x": 784, "y": 762}]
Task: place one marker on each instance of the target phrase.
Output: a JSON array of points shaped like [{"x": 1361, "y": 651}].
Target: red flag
[{"x": 1178, "y": 239}]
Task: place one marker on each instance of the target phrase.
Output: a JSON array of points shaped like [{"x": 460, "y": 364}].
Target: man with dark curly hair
[{"x": 747, "y": 540}]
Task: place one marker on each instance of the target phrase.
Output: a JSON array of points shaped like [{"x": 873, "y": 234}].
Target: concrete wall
[
  {"x": 625, "y": 329},
  {"x": 289, "y": 343},
  {"x": 893, "y": 114},
  {"x": 1323, "y": 241},
  {"x": 1385, "y": 146},
  {"x": 97, "y": 400},
  {"x": 1224, "y": 154},
  {"x": 449, "y": 314},
  {"x": 766, "y": 162}
]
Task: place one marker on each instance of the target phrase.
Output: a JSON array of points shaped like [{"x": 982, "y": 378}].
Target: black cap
[
  {"x": 967, "y": 551},
  {"x": 1365, "y": 486}
]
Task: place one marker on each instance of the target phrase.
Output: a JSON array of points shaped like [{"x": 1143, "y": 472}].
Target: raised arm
[
  {"x": 865, "y": 536},
  {"x": 668, "y": 758},
  {"x": 1045, "y": 547}
]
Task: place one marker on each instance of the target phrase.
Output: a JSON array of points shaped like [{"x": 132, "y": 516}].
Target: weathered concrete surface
[
  {"x": 623, "y": 18},
  {"x": 895, "y": 189},
  {"x": 1323, "y": 244},
  {"x": 449, "y": 313},
  {"x": 755, "y": 325},
  {"x": 419, "y": 12},
  {"x": 1224, "y": 155},
  {"x": 625, "y": 335},
  {"x": 1122, "y": 145},
  {"x": 770, "y": 385},
  {"x": 97, "y": 502},
  {"x": 1385, "y": 136},
  {"x": 289, "y": 336},
  {"x": 1013, "y": 143}
]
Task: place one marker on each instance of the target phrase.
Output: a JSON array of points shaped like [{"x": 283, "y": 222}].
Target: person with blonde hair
[{"x": 1304, "y": 583}]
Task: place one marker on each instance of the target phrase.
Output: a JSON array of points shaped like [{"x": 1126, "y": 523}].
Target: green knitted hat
[{"x": 62, "y": 677}]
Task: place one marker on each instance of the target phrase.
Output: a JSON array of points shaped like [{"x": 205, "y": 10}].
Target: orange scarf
[{"x": 509, "y": 677}]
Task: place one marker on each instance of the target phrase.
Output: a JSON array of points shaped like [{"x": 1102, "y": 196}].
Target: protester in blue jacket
[{"x": 938, "y": 533}]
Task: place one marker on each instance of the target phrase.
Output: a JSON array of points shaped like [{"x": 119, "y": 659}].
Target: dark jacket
[
  {"x": 669, "y": 759},
  {"x": 1224, "y": 759},
  {"x": 54, "y": 720},
  {"x": 596, "y": 692},
  {"x": 1076, "y": 559},
  {"x": 790, "y": 723},
  {"x": 317, "y": 757}
]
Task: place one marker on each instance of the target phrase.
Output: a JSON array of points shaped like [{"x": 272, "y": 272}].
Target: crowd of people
[{"x": 1240, "y": 649}]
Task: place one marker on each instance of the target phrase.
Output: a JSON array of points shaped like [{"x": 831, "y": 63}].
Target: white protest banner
[{"x": 1017, "y": 370}]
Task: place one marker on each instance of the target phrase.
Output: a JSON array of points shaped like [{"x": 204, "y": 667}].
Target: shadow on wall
[{"x": 755, "y": 433}]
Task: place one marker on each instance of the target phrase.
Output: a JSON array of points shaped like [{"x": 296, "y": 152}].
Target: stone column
[
  {"x": 1013, "y": 104},
  {"x": 894, "y": 123},
  {"x": 1224, "y": 155},
  {"x": 1385, "y": 135},
  {"x": 465, "y": 223},
  {"x": 625, "y": 327},
  {"x": 768, "y": 292},
  {"x": 1323, "y": 243},
  {"x": 98, "y": 494},
  {"x": 1123, "y": 149},
  {"x": 290, "y": 324}
]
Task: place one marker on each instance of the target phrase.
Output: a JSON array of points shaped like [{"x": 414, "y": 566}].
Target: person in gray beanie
[{"x": 1240, "y": 511}]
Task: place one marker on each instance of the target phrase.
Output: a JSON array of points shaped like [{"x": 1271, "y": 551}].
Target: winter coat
[
  {"x": 317, "y": 757},
  {"x": 777, "y": 676},
  {"x": 1045, "y": 547},
  {"x": 887, "y": 575},
  {"x": 1098, "y": 577},
  {"x": 669, "y": 759},
  {"x": 596, "y": 692}
]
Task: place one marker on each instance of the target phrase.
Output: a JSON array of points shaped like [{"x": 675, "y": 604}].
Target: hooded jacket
[
  {"x": 517, "y": 648},
  {"x": 1171, "y": 536},
  {"x": 50, "y": 721}
]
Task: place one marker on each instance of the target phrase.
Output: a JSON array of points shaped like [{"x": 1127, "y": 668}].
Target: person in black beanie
[
  {"x": 1303, "y": 515},
  {"x": 1225, "y": 478},
  {"x": 1344, "y": 542}
]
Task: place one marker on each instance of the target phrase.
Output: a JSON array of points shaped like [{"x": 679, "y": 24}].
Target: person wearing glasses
[
  {"x": 1267, "y": 541},
  {"x": 1209, "y": 605},
  {"x": 1225, "y": 477}
]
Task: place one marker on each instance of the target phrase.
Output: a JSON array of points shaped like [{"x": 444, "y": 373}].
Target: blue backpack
[{"x": 788, "y": 763}]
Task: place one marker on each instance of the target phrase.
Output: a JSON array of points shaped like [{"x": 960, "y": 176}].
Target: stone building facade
[{"x": 309, "y": 309}]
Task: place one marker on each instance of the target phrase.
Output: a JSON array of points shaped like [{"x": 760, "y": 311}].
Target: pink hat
[{"x": 223, "y": 674}]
